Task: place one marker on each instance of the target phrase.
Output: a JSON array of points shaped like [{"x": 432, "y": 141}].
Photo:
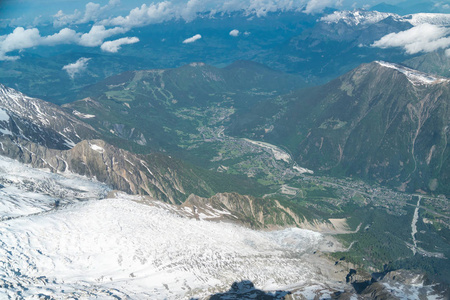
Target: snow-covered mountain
[
  {"x": 358, "y": 17},
  {"x": 39, "y": 121},
  {"x": 364, "y": 17},
  {"x": 414, "y": 76}
]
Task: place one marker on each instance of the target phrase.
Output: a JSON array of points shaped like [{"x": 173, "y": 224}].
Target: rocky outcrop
[
  {"x": 248, "y": 210},
  {"x": 155, "y": 175}
]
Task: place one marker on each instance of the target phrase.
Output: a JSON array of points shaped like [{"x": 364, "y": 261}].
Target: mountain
[
  {"x": 342, "y": 36},
  {"x": 412, "y": 7},
  {"x": 44, "y": 135},
  {"x": 65, "y": 235},
  {"x": 382, "y": 122},
  {"x": 437, "y": 63},
  {"x": 388, "y": 8},
  {"x": 39, "y": 121},
  {"x": 165, "y": 109}
]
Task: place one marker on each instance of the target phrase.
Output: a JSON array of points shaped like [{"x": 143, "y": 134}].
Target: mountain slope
[
  {"x": 437, "y": 63},
  {"x": 44, "y": 135},
  {"x": 381, "y": 122},
  {"x": 156, "y": 175},
  {"x": 39, "y": 121}
]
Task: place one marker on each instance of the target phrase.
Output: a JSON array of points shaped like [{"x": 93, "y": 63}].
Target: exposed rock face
[
  {"x": 251, "y": 211},
  {"x": 41, "y": 122},
  {"x": 153, "y": 175}
]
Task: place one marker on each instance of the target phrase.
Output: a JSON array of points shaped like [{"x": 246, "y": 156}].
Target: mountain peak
[
  {"x": 358, "y": 17},
  {"x": 414, "y": 76}
]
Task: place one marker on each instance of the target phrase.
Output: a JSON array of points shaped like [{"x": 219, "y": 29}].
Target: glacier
[{"x": 61, "y": 237}]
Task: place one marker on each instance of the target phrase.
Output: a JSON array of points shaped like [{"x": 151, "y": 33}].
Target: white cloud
[
  {"x": 114, "y": 46},
  {"x": 144, "y": 15},
  {"x": 19, "y": 39},
  {"x": 192, "y": 39},
  {"x": 234, "y": 32},
  {"x": 61, "y": 19},
  {"x": 317, "y": 6},
  {"x": 93, "y": 12},
  {"x": 76, "y": 67},
  {"x": 64, "y": 36},
  {"x": 98, "y": 34},
  {"x": 176, "y": 9},
  {"x": 422, "y": 38},
  {"x": 447, "y": 52}
]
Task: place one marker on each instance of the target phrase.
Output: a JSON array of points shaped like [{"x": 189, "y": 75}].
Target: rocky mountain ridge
[{"x": 39, "y": 121}]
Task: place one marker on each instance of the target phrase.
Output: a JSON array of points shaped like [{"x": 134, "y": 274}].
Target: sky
[{"x": 110, "y": 21}]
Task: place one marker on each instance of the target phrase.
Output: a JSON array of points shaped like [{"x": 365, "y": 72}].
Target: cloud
[
  {"x": 98, "y": 34},
  {"x": 21, "y": 39},
  {"x": 61, "y": 19},
  {"x": 234, "y": 32},
  {"x": 114, "y": 46},
  {"x": 422, "y": 38},
  {"x": 447, "y": 52},
  {"x": 144, "y": 15},
  {"x": 192, "y": 39},
  {"x": 76, "y": 67},
  {"x": 92, "y": 12},
  {"x": 317, "y": 6},
  {"x": 188, "y": 11},
  {"x": 64, "y": 36}
]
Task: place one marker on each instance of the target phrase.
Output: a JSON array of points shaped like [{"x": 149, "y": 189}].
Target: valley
[{"x": 225, "y": 150}]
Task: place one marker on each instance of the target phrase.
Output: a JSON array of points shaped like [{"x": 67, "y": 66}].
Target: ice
[
  {"x": 58, "y": 237},
  {"x": 118, "y": 244}
]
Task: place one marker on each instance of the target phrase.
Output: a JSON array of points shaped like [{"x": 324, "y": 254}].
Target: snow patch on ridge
[
  {"x": 4, "y": 116},
  {"x": 97, "y": 148},
  {"x": 414, "y": 76},
  {"x": 82, "y": 115}
]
